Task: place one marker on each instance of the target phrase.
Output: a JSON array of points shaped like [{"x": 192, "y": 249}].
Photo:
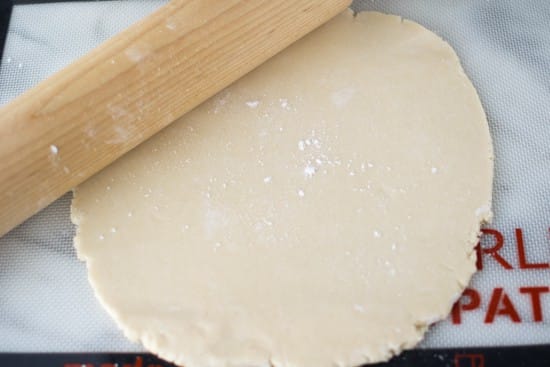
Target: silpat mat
[{"x": 46, "y": 304}]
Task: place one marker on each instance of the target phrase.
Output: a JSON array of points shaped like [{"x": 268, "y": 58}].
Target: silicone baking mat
[{"x": 503, "y": 319}]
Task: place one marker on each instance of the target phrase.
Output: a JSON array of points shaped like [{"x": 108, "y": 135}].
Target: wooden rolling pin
[{"x": 56, "y": 135}]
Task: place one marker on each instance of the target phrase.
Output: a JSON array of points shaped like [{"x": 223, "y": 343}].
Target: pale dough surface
[{"x": 321, "y": 211}]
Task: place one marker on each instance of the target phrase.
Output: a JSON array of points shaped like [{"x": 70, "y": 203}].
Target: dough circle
[{"x": 322, "y": 210}]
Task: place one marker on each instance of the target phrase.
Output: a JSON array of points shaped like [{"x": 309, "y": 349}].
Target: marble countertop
[{"x": 46, "y": 303}]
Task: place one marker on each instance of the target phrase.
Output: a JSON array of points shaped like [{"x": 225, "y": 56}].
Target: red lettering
[
  {"x": 469, "y": 360},
  {"x": 500, "y": 304},
  {"x": 139, "y": 363},
  {"x": 493, "y": 251},
  {"x": 474, "y": 301},
  {"x": 534, "y": 293},
  {"x": 523, "y": 264},
  {"x": 479, "y": 260}
]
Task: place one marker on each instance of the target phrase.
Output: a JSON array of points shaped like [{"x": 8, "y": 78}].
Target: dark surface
[
  {"x": 25, "y": 2},
  {"x": 524, "y": 356},
  {"x": 5, "y": 14}
]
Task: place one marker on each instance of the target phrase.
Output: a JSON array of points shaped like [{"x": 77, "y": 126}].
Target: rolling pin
[{"x": 73, "y": 124}]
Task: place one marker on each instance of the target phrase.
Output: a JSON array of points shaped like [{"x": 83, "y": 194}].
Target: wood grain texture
[{"x": 81, "y": 119}]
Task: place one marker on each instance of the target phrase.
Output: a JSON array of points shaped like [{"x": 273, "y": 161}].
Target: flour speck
[
  {"x": 359, "y": 308},
  {"x": 309, "y": 171},
  {"x": 483, "y": 211},
  {"x": 53, "y": 149},
  {"x": 284, "y": 103},
  {"x": 171, "y": 25},
  {"x": 341, "y": 97},
  {"x": 253, "y": 104}
]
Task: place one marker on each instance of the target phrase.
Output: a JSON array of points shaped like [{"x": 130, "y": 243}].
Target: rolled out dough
[{"x": 321, "y": 211}]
